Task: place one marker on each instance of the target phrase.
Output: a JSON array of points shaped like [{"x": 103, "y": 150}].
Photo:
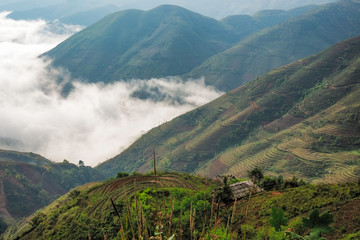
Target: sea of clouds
[{"x": 95, "y": 121}]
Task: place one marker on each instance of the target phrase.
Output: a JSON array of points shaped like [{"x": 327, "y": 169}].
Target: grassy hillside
[
  {"x": 301, "y": 119},
  {"x": 246, "y": 25},
  {"x": 282, "y": 44},
  {"x": 167, "y": 40},
  {"x": 29, "y": 182},
  {"x": 182, "y": 206},
  {"x": 164, "y": 41}
]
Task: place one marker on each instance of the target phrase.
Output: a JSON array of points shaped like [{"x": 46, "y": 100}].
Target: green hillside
[
  {"x": 246, "y": 25},
  {"x": 301, "y": 119},
  {"x": 167, "y": 40},
  {"x": 182, "y": 206},
  {"x": 282, "y": 44},
  {"x": 29, "y": 182}
]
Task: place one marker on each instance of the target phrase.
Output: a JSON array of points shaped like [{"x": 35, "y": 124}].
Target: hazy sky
[
  {"x": 214, "y": 8},
  {"x": 95, "y": 122}
]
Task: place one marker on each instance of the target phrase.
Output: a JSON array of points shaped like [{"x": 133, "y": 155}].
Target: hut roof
[{"x": 241, "y": 189}]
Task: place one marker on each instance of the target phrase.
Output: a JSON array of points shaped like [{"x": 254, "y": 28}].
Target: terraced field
[
  {"x": 261, "y": 159},
  {"x": 338, "y": 131},
  {"x": 340, "y": 174},
  {"x": 211, "y": 136}
]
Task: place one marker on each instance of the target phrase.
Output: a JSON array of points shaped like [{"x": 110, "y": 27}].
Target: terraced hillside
[
  {"x": 183, "y": 206},
  {"x": 301, "y": 119},
  {"x": 88, "y": 211}
]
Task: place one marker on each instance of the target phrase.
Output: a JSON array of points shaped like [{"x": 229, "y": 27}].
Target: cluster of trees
[{"x": 271, "y": 183}]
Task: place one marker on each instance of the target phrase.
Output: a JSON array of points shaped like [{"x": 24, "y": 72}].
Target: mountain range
[
  {"x": 165, "y": 41},
  {"x": 286, "y": 42},
  {"x": 169, "y": 41}
]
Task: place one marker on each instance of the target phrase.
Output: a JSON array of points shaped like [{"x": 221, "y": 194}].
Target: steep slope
[
  {"x": 300, "y": 119},
  {"x": 88, "y": 210},
  {"x": 31, "y": 179},
  {"x": 184, "y": 207},
  {"x": 282, "y": 44},
  {"x": 167, "y": 40}
]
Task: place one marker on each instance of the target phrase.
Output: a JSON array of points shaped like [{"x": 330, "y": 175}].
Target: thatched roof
[{"x": 241, "y": 189}]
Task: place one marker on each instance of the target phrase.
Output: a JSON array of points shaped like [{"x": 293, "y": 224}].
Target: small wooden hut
[{"x": 241, "y": 189}]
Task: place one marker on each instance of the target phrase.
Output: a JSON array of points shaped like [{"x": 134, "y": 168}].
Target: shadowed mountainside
[{"x": 28, "y": 182}]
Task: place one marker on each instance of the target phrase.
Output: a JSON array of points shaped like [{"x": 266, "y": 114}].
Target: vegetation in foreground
[{"x": 183, "y": 206}]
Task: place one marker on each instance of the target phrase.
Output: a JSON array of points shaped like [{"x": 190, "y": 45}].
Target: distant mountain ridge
[
  {"x": 164, "y": 41},
  {"x": 299, "y": 120},
  {"x": 284, "y": 43},
  {"x": 170, "y": 40}
]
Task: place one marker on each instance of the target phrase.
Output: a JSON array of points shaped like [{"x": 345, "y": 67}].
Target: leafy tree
[
  {"x": 278, "y": 219},
  {"x": 269, "y": 183},
  {"x": 256, "y": 175},
  {"x": 122, "y": 174},
  {"x": 225, "y": 195}
]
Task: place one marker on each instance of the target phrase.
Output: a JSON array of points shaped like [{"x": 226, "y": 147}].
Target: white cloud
[{"x": 95, "y": 121}]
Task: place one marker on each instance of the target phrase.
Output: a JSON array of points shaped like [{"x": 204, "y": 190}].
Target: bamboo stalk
[
  {"x": 212, "y": 210},
  {"x": 190, "y": 218},
  {"x": 227, "y": 226},
  {"x": 130, "y": 218},
  {"x": 137, "y": 211},
  {"x": 233, "y": 212},
  {"x": 104, "y": 234},
  {"x": 164, "y": 203},
  {"x": 118, "y": 214},
  {"x": 154, "y": 163},
  {"x": 246, "y": 212},
  {"x": 217, "y": 212},
  {"x": 205, "y": 215},
  {"x": 146, "y": 232},
  {"x": 181, "y": 226},
  {"x": 172, "y": 201}
]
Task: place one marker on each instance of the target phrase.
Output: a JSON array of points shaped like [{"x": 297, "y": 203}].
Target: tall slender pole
[{"x": 154, "y": 163}]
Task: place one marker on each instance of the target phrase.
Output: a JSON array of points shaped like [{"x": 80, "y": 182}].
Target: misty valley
[{"x": 180, "y": 120}]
